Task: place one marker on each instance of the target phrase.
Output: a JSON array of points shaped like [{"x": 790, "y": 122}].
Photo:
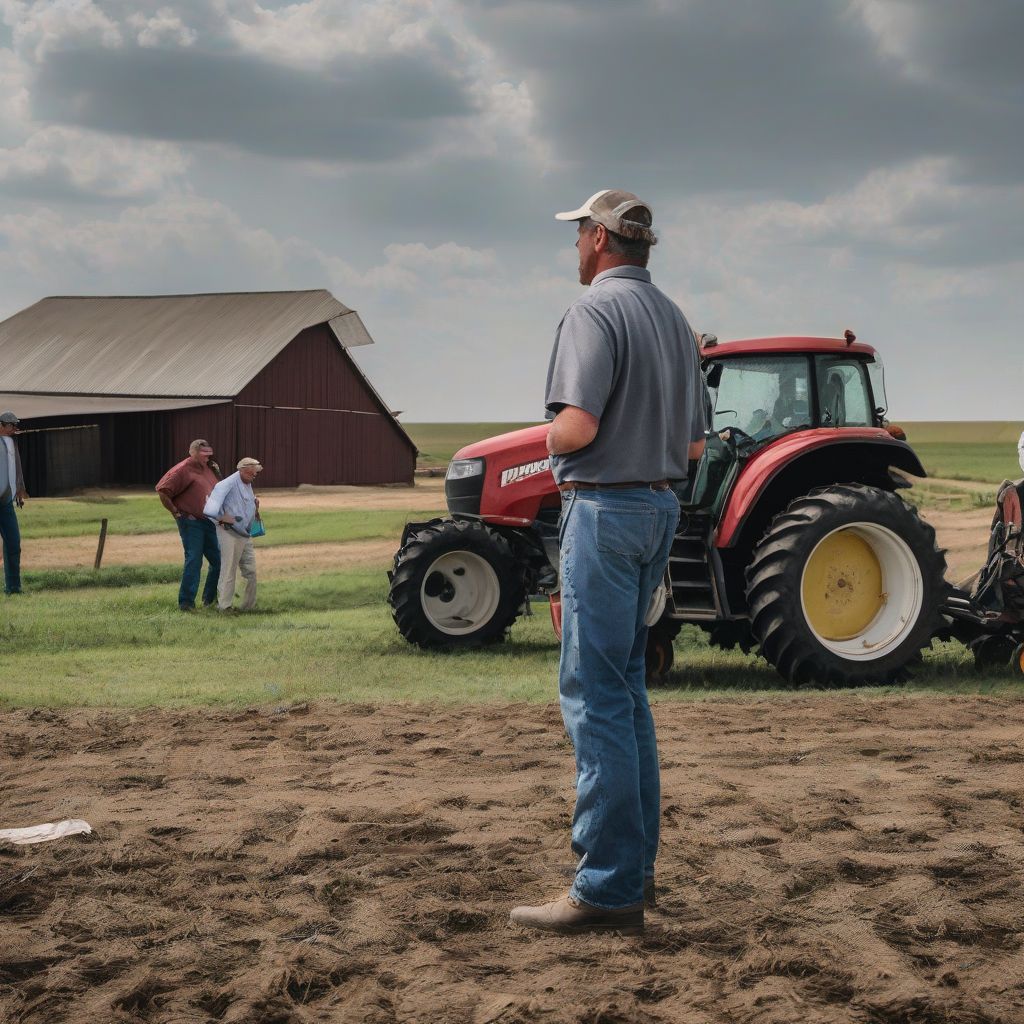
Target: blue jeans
[
  {"x": 614, "y": 550},
  {"x": 12, "y": 546},
  {"x": 199, "y": 539}
]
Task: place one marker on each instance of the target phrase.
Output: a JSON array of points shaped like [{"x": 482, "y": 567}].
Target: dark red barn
[{"x": 111, "y": 390}]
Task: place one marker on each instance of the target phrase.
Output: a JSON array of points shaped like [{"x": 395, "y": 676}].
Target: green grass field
[
  {"x": 328, "y": 635},
  {"x": 117, "y": 639},
  {"x": 984, "y": 451},
  {"x": 438, "y": 442}
]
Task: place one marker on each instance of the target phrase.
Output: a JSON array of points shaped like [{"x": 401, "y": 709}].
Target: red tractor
[{"x": 792, "y": 539}]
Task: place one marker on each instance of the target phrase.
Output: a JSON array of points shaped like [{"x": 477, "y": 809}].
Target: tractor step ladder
[{"x": 693, "y": 592}]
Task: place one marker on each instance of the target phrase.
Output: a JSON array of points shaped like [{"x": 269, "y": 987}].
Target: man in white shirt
[
  {"x": 12, "y": 493},
  {"x": 1020, "y": 452},
  {"x": 233, "y": 507}
]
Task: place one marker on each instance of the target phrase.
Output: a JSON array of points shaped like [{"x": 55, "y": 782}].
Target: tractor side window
[
  {"x": 763, "y": 396},
  {"x": 843, "y": 394},
  {"x": 876, "y": 374}
]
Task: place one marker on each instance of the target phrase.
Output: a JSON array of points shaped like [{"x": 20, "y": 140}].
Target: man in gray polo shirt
[{"x": 625, "y": 391}]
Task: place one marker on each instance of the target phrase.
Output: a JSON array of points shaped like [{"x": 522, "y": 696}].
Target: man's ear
[{"x": 600, "y": 238}]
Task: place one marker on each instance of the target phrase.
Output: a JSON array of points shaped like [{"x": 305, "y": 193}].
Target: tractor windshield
[{"x": 761, "y": 396}]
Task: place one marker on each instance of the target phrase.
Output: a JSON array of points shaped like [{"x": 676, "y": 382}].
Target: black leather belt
[{"x": 628, "y": 485}]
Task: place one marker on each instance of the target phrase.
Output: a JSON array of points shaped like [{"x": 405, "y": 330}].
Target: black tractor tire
[
  {"x": 456, "y": 584},
  {"x": 660, "y": 653},
  {"x": 845, "y": 588},
  {"x": 729, "y": 635},
  {"x": 993, "y": 652}
]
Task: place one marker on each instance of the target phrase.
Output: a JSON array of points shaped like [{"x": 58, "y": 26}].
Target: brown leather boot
[{"x": 569, "y": 916}]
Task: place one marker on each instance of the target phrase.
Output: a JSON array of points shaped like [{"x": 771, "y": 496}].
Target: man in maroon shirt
[{"x": 183, "y": 490}]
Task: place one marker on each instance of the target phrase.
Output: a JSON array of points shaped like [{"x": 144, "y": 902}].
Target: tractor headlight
[{"x": 461, "y": 469}]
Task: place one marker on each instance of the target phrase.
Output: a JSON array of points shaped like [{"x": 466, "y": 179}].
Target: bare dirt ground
[
  {"x": 964, "y": 535},
  {"x": 428, "y": 492},
  {"x": 828, "y": 859}
]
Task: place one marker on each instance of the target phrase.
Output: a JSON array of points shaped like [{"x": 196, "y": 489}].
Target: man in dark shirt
[
  {"x": 625, "y": 390},
  {"x": 183, "y": 490},
  {"x": 12, "y": 495}
]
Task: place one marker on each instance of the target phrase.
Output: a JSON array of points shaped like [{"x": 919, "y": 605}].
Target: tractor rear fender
[{"x": 795, "y": 464}]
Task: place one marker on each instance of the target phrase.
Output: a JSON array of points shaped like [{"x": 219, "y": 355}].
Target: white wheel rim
[
  {"x": 656, "y": 608},
  {"x": 902, "y": 596},
  {"x": 460, "y": 593}
]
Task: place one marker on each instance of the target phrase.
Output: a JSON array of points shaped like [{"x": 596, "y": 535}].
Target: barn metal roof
[
  {"x": 35, "y": 406},
  {"x": 168, "y": 345}
]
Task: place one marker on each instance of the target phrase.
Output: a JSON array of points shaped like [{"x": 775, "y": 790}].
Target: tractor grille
[
  {"x": 464, "y": 495},
  {"x": 692, "y": 591}
]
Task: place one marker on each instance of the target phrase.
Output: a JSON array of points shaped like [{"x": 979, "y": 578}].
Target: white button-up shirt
[{"x": 233, "y": 497}]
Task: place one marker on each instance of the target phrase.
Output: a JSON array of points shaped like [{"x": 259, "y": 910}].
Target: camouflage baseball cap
[{"x": 620, "y": 212}]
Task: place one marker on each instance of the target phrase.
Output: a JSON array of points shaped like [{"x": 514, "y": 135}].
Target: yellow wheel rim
[{"x": 842, "y": 586}]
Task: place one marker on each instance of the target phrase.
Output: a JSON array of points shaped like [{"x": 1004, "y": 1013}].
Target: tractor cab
[{"x": 761, "y": 391}]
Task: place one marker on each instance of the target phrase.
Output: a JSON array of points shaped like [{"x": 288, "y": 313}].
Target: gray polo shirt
[{"x": 625, "y": 353}]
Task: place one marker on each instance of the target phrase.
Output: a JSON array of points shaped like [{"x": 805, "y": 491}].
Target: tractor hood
[
  {"x": 516, "y": 481},
  {"x": 529, "y": 440}
]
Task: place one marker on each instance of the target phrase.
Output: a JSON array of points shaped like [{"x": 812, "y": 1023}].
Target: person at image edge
[{"x": 12, "y": 495}]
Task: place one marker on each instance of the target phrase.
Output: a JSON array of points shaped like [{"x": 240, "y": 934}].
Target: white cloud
[
  {"x": 318, "y": 31},
  {"x": 159, "y": 246},
  {"x": 164, "y": 28},
  {"x": 14, "y": 93},
  {"x": 41, "y": 26},
  {"x": 918, "y": 214},
  {"x": 892, "y": 23},
  {"x": 92, "y": 164}
]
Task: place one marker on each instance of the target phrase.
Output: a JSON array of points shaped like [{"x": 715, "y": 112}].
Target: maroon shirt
[{"x": 188, "y": 485}]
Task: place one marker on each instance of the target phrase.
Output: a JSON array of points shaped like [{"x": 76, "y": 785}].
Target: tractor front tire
[
  {"x": 845, "y": 588},
  {"x": 456, "y": 584}
]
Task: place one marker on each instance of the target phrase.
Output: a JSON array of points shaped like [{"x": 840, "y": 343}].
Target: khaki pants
[{"x": 236, "y": 555}]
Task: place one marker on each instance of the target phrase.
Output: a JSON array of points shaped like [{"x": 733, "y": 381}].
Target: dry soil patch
[
  {"x": 157, "y": 548},
  {"x": 827, "y": 860}
]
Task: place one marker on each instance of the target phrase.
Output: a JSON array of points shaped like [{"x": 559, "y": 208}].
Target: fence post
[{"x": 99, "y": 547}]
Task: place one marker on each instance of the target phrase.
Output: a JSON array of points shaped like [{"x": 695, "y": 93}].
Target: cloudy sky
[{"x": 813, "y": 165}]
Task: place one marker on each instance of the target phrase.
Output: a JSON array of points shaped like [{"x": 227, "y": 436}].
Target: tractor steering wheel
[{"x": 738, "y": 436}]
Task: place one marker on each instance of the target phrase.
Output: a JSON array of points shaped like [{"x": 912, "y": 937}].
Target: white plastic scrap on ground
[{"x": 45, "y": 832}]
